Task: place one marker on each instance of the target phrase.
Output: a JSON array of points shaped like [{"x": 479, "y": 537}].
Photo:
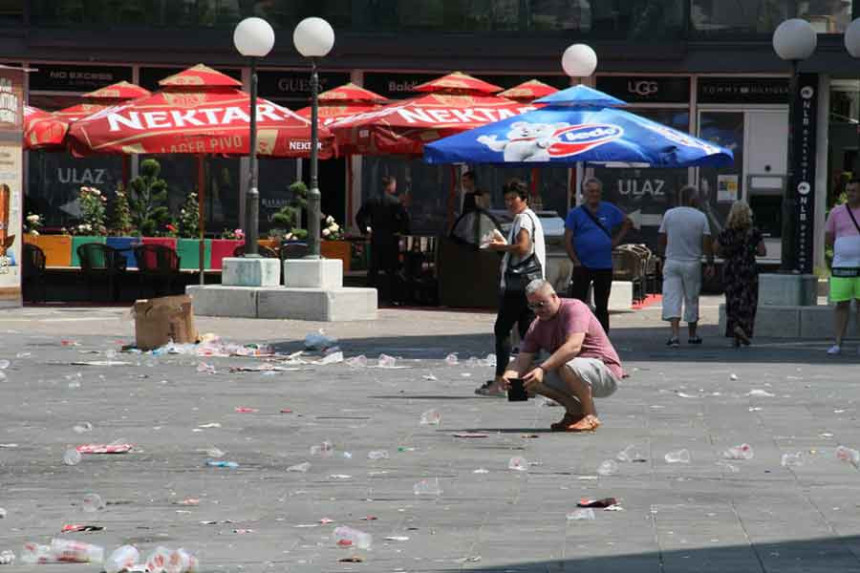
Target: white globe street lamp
[
  {"x": 253, "y": 38},
  {"x": 579, "y": 61},
  {"x": 314, "y": 38},
  {"x": 852, "y": 38},
  {"x": 794, "y": 41}
]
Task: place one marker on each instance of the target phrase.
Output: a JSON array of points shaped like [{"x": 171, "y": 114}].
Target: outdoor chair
[
  {"x": 100, "y": 262},
  {"x": 158, "y": 266},
  {"x": 33, "y": 273}
]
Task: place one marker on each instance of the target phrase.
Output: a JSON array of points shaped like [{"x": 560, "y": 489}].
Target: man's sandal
[
  {"x": 587, "y": 424},
  {"x": 565, "y": 422},
  {"x": 490, "y": 389}
]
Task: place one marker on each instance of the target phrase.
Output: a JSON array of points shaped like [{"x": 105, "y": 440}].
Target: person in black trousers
[
  {"x": 384, "y": 218},
  {"x": 589, "y": 237}
]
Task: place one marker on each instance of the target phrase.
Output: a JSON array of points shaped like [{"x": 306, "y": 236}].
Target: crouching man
[{"x": 582, "y": 365}]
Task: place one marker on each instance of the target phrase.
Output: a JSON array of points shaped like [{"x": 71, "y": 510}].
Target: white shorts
[
  {"x": 592, "y": 371},
  {"x": 682, "y": 283}
]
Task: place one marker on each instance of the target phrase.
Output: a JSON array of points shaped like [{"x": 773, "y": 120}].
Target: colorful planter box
[
  {"x": 189, "y": 253},
  {"x": 57, "y": 248},
  {"x": 222, "y": 248},
  {"x": 337, "y": 250},
  {"x": 83, "y": 240},
  {"x": 273, "y": 244},
  {"x": 163, "y": 241},
  {"x": 126, "y": 247}
]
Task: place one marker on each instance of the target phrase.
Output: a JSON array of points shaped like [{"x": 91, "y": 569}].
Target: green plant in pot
[
  {"x": 148, "y": 199},
  {"x": 120, "y": 223},
  {"x": 287, "y": 221}
]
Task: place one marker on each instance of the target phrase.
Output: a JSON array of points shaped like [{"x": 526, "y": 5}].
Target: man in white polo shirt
[{"x": 684, "y": 235}]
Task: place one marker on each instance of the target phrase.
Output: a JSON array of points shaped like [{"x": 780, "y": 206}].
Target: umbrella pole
[
  {"x": 452, "y": 196},
  {"x": 201, "y": 181},
  {"x": 347, "y": 222}
]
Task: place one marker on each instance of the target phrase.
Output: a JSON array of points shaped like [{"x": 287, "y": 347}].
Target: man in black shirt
[{"x": 384, "y": 218}]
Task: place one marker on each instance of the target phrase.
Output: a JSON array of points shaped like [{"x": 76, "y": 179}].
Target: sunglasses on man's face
[{"x": 538, "y": 305}]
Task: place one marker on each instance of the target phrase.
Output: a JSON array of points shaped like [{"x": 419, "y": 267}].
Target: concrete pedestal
[
  {"x": 250, "y": 272},
  {"x": 796, "y": 322},
  {"x": 314, "y": 291},
  {"x": 787, "y": 290}
]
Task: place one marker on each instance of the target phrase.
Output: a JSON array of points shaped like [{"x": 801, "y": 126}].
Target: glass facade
[
  {"x": 843, "y": 162},
  {"x": 640, "y": 19}
]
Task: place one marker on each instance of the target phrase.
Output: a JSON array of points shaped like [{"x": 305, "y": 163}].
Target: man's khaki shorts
[{"x": 592, "y": 371}]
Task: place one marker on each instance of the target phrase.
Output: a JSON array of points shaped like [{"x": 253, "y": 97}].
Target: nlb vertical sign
[
  {"x": 803, "y": 184},
  {"x": 11, "y": 183}
]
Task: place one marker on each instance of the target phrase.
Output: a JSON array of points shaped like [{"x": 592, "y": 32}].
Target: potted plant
[
  {"x": 92, "y": 227},
  {"x": 57, "y": 248},
  {"x": 333, "y": 246},
  {"x": 188, "y": 229}
]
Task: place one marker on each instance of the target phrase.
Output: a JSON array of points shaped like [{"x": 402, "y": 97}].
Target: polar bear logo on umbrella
[{"x": 539, "y": 142}]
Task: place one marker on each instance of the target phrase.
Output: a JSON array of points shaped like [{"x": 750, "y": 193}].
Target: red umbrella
[
  {"x": 199, "y": 111},
  {"x": 346, "y": 100},
  {"x": 450, "y": 104},
  {"x": 42, "y": 129},
  {"x": 529, "y": 91},
  {"x": 102, "y": 98}
]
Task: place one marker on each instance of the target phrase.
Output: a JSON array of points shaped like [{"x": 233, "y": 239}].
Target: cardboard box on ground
[{"x": 158, "y": 321}]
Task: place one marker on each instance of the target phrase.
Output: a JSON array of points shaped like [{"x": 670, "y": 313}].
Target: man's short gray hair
[
  {"x": 689, "y": 196},
  {"x": 593, "y": 181},
  {"x": 537, "y": 286}
]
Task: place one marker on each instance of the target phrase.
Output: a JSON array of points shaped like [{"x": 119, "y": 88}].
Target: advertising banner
[{"x": 11, "y": 127}]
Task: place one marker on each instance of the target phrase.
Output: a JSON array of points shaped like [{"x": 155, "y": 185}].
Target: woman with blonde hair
[{"x": 739, "y": 243}]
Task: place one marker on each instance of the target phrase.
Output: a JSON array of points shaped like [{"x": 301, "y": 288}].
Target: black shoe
[
  {"x": 673, "y": 342},
  {"x": 694, "y": 340}
]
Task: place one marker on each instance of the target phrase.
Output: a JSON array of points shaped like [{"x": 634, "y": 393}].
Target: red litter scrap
[
  {"x": 105, "y": 448},
  {"x": 74, "y": 528},
  {"x": 245, "y": 410},
  {"x": 601, "y": 503},
  {"x": 286, "y": 411}
]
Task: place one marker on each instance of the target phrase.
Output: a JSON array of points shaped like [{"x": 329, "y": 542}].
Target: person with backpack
[{"x": 589, "y": 237}]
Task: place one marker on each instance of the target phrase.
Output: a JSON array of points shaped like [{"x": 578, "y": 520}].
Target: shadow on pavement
[{"x": 822, "y": 555}]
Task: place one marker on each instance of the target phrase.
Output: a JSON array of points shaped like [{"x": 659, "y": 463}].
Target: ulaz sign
[{"x": 638, "y": 188}]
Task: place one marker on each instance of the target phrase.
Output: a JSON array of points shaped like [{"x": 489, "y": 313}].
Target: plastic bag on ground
[
  {"x": 678, "y": 457},
  {"x": 429, "y": 486},
  {"x": 300, "y": 468},
  {"x": 72, "y": 457},
  {"x": 795, "y": 459},
  {"x": 71, "y": 551},
  {"x": 518, "y": 463},
  {"x": 359, "y": 361},
  {"x": 352, "y": 538},
  {"x": 33, "y": 553},
  {"x": 377, "y": 455},
  {"x": 451, "y": 359},
  {"x": 319, "y": 341},
  {"x": 157, "y": 560},
  {"x": 586, "y": 514},
  {"x": 92, "y": 503},
  {"x": 846, "y": 454},
  {"x": 630, "y": 454},
  {"x": 607, "y": 468},
  {"x": 121, "y": 559},
  {"x": 7, "y": 557},
  {"x": 431, "y": 418},
  {"x": 386, "y": 361},
  {"x": 741, "y": 452},
  {"x": 324, "y": 449}
]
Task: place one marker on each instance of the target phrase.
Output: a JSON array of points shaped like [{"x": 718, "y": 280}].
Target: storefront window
[
  {"x": 646, "y": 193},
  {"x": 720, "y": 187},
  {"x": 843, "y": 162},
  {"x": 761, "y": 17}
]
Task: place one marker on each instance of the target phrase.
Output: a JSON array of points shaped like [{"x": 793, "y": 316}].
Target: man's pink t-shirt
[
  {"x": 573, "y": 317},
  {"x": 846, "y": 248}
]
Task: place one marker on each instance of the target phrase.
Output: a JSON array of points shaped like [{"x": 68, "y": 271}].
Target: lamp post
[
  {"x": 794, "y": 41},
  {"x": 314, "y": 38},
  {"x": 253, "y": 38},
  {"x": 578, "y": 61}
]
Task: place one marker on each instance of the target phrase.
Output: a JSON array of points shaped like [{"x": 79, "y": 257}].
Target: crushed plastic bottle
[
  {"x": 72, "y": 457},
  {"x": 678, "y": 457},
  {"x": 71, "y": 551},
  {"x": 792, "y": 460},
  {"x": 324, "y": 449},
  {"x": 607, "y": 468},
  {"x": 82, "y": 427},
  {"x": 741, "y": 452},
  {"x": 377, "y": 455},
  {"x": 359, "y": 361},
  {"x": 490, "y": 360},
  {"x": 431, "y": 418},
  {"x": 206, "y": 368},
  {"x": 181, "y": 561},
  {"x": 319, "y": 341},
  {"x": 92, "y": 503},
  {"x": 300, "y": 468},
  {"x": 846, "y": 454},
  {"x": 122, "y": 558},
  {"x": 331, "y": 358},
  {"x": 428, "y": 486},
  {"x": 352, "y": 538},
  {"x": 630, "y": 454},
  {"x": 33, "y": 553},
  {"x": 7, "y": 557},
  {"x": 451, "y": 359},
  {"x": 518, "y": 463},
  {"x": 157, "y": 561},
  {"x": 586, "y": 514},
  {"x": 386, "y": 361},
  {"x": 214, "y": 452}
]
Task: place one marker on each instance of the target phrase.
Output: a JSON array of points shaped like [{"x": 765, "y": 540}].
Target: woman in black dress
[{"x": 738, "y": 244}]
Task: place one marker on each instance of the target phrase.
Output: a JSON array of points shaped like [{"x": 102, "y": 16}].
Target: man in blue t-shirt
[{"x": 589, "y": 240}]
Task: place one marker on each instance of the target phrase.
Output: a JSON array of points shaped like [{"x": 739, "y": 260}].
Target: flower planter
[
  {"x": 79, "y": 240},
  {"x": 126, "y": 247},
  {"x": 337, "y": 250},
  {"x": 273, "y": 244},
  {"x": 222, "y": 248},
  {"x": 57, "y": 248},
  {"x": 189, "y": 253},
  {"x": 163, "y": 241}
]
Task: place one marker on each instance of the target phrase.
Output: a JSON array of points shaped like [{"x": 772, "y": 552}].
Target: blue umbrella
[{"x": 578, "y": 124}]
